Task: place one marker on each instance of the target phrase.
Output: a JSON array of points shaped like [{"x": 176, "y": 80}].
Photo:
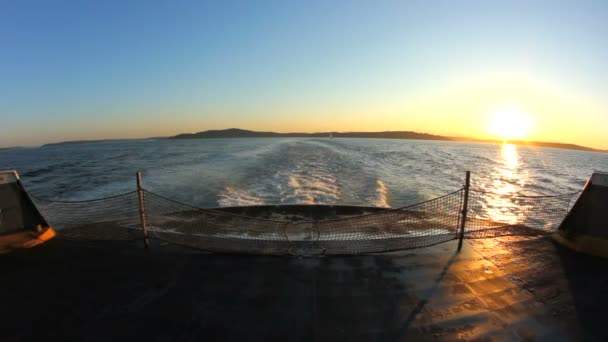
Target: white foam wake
[
  {"x": 303, "y": 186},
  {"x": 232, "y": 197},
  {"x": 381, "y": 195}
]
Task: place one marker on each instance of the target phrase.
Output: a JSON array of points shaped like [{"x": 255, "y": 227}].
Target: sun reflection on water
[{"x": 509, "y": 178}]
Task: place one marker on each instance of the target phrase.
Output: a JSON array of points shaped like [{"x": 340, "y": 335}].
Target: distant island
[
  {"x": 11, "y": 148},
  {"x": 242, "y": 133},
  {"x": 98, "y": 141}
]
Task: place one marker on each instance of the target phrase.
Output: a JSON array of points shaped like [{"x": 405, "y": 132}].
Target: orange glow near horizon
[{"x": 498, "y": 106}]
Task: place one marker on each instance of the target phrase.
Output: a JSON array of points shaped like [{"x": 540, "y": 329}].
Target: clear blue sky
[{"x": 108, "y": 69}]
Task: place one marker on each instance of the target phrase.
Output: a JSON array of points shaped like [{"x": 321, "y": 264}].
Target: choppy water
[{"x": 226, "y": 172}]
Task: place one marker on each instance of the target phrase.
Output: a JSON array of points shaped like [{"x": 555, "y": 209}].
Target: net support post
[
  {"x": 465, "y": 208},
  {"x": 142, "y": 213}
]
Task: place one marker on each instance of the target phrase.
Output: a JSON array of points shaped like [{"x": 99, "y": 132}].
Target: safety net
[
  {"x": 132, "y": 215},
  {"x": 418, "y": 225},
  {"x": 491, "y": 214},
  {"x": 110, "y": 218}
]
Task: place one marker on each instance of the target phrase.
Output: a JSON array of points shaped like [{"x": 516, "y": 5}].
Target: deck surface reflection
[{"x": 501, "y": 288}]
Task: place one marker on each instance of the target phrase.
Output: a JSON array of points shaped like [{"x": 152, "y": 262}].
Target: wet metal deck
[{"x": 502, "y": 288}]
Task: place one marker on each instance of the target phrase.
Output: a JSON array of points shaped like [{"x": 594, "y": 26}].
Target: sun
[{"x": 510, "y": 123}]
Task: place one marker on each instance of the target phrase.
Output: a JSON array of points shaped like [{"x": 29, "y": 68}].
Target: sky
[{"x": 73, "y": 70}]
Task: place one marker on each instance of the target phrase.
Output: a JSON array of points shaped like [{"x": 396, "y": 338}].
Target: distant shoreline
[
  {"x": 235, "y": 133},
  {"x": 98, "y": 141},
  {"x": 11, "y": 148}
]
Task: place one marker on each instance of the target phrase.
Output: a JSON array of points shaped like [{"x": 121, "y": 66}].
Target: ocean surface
[{"x": 233, "y": 172}]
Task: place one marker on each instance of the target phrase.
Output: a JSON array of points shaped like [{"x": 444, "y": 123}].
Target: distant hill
[
  {"x": 243, "y": 133},
  {"x": 11, "y": 148},
  {"x": 563, "y": 146},
  {"x": 557, "y": 145},
  {"x": 81, "y": 142}
]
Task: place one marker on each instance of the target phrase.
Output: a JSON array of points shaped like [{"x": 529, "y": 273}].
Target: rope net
[
  {"x": 420, "y": 225},
  {"x": 216, "y": 230},
  {"x": 112, "y": 218},
  {"x": 212, "y": 230},
  {"x": 491, "y": 214}
]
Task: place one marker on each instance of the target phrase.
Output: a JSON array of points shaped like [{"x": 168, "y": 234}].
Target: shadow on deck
[{"x": 502, "y": 288}]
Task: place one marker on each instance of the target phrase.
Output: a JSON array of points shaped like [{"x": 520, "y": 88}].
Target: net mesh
[
  {"x": 111, "y": 218},
  {"x": 491, "y": 214},
  {"x": 216, "y": 230},
  {"x": 212, "y": 230},
  {"x": 419, "y": 225}
]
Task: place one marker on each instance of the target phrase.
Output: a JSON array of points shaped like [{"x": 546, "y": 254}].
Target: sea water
[{"x": 232, "y": 172}]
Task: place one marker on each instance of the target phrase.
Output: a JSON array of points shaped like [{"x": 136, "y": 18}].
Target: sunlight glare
[{"x": 510, "y": 123}]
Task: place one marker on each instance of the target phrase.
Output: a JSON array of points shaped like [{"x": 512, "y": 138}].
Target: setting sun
[{"x": 510, "y": 123}]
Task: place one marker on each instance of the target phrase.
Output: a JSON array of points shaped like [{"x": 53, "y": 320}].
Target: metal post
[
  {"x": 465, "y": 208},
  {"x": 142, "y": 213}
]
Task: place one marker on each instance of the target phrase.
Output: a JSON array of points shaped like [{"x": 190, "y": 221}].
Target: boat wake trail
[
  {"x": 299, "y": 172},
  {"x": 233, "y": 197},
  {"x": 382, "y": 195},
  {"x": 307, "y": 186}
]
